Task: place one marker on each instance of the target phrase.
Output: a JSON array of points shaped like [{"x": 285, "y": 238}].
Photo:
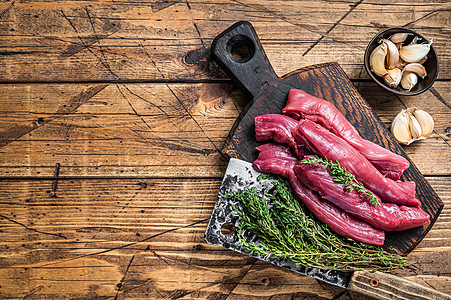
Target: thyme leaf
[
  {"x": 284, "y": 229},
  {"x": 342, "y": 176}
]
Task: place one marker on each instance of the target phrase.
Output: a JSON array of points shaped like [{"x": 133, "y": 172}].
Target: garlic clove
[
  {"x": 377, "y": 59},
  {"x": 414, "y": 127},
  {"x": 393, "y": 77},
  {"x": 414, "y": 52},
  {"x": 408, "y": 80},
  {"x": 392, "y": 56},
  {"x": 400, "y": 128},
  {"x": 401, "y": 64},
  {"x": 416, "y": 68},
  {"x": 399, "y": 37},
  {"x": 423, "y": 60},
  {"x": 425, "y": 120}
]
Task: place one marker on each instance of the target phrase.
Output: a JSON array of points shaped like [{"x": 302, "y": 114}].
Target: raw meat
[
  {"x": 328, "y": 145},
  {"x": 278, "y": 128},
  {"x": 278, "y": 159},
  {"x": 386, "y": 216},
  {"x": 302, "y": 105}
]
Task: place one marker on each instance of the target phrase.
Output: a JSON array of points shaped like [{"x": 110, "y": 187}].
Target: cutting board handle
[
  {"x": 385, "y": 286},
  {"x": 239, "y": 53}
]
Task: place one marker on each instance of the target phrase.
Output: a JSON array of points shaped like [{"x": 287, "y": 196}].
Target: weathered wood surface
[
  {"x": 163, "y": 130},
  {"x": 144, "y": 237},
  {"x": 112, "y": 122},
  {"x": 169, "y": 40}
]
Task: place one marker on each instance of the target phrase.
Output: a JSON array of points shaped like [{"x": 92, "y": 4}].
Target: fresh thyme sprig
[
  {"x": 283, "y": 229},
  {"x": 342, "y": 176}
]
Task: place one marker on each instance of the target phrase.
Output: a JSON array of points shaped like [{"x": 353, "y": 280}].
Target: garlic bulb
[{"x": 411, "y": 125}]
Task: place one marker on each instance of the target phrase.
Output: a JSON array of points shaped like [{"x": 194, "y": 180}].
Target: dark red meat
[
  {"x": 276, "y": 159},
  {"x": 328, "y": 145},
  {"x": 408, "y": 215},
  {"x": 302, "y": 105},
  {"x": 278, "y": 128},
  {"x": 386, "y": 216}
]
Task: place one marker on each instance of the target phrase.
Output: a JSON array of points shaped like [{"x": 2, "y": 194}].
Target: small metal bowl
[{"x": 431, "y": 64}]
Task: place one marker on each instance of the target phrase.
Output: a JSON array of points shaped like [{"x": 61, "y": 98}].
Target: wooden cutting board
[{"x": 239, "y": 53}]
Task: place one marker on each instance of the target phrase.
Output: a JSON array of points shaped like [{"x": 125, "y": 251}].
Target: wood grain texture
[
  {"x": 143, "y": 130},
  {"x": 144, "y": 238},
  {"x": 169, "y": 40},
  {"x": 106, "y": 190},
  {"x": 385, "y": 286}
]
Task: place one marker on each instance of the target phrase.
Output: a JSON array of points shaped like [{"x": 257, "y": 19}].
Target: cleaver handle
[
  {"x": 238, "y": 51},
  {"x": 385, "y": 286}
]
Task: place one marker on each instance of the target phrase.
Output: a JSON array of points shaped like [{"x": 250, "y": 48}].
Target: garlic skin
[
  {"x": 393, "y": 77},
  {"x": 414, "y": 52},
  {"x": 414, "y": 40},
  {"x": 408, "y": 80},
  {"x": 411, "y": 124},
  {"x": 377, "y": 59}
]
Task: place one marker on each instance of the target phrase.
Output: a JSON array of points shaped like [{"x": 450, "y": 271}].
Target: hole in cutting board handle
[
  {"x": 228, "y": 229},
  {"x": 240, "y": 48}
]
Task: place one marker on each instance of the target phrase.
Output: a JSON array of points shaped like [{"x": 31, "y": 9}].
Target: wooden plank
[
  {"x": 144, "y": 237},
  {"x": 151, "y": 130},
  {"x": 144, "y": 130},
  {"x": 170, "y": 40}
]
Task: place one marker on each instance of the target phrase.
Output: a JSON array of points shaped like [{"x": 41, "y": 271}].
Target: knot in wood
[
  {"x": 192, "y": 58},
  {"x": 265, "y": 281}
]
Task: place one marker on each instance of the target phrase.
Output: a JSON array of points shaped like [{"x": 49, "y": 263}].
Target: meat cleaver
[{"x": 239, "y": 53}]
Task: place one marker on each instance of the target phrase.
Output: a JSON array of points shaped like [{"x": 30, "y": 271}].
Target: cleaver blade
[{"x": 239, "y": 176}]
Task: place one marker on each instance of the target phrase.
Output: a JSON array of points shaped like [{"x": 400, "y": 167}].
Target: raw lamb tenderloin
[
  {"x": 278, "y": 128},
  {"x": 385, "y": 216},
  {"x": 278, "y": 159},
  {"x": 303, "y": 105},
  {"x": 326, "y": 144}
]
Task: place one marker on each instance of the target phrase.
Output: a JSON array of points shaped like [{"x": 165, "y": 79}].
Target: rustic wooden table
[{"x": 112, "y": 123}]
